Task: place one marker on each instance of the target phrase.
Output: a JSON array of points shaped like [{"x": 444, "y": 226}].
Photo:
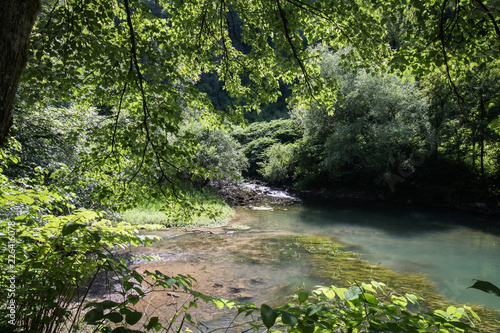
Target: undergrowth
[{"x": 204, "y": 209}]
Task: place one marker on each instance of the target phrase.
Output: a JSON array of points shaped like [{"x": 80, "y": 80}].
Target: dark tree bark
[{"x": 17, "y": 18}]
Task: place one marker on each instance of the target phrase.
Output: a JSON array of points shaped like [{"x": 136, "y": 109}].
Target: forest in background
[
  {"x": 151, "y": 105},
  {"x": 389, "y": 138}
]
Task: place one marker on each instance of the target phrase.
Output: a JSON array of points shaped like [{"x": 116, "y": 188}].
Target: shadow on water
[{"x": 397, "y": 220}]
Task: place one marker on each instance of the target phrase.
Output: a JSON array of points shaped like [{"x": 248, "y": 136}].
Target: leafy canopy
[{"x": 142, "y": 58}]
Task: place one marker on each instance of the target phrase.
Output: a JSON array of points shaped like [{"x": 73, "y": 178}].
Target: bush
[
  {"x": 52, "y": 137},
  {"x": 216, "y": 154},
  {"x": 52, "y": 261},
  {"x": 256, "y": 138},
  {"x": 279, "y": 163}
]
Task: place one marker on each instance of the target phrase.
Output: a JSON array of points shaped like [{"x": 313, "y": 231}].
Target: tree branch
[
  {"x": 294, "y": 49},
  {"x": 490, "y": 15}
]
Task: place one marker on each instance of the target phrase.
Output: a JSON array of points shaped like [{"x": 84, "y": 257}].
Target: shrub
[
  {"x": 256, "y": 138},
  {"x": 279, "y": 163}
]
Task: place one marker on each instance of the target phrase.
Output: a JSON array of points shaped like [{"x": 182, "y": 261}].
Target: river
[
  {"x": 261, "y": 264},
  {"x": 450, "y": 248}
]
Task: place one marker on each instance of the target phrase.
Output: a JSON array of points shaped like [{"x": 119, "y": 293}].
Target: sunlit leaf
[{"x": 369, "y": 298}]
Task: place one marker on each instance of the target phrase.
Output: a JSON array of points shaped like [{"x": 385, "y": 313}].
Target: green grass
[{"x": 195, "y": 208}]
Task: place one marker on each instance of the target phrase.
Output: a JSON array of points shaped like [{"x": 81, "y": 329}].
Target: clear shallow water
[
  {"x": 451, "y": 248},
  {"x": 263, "y": 265}
]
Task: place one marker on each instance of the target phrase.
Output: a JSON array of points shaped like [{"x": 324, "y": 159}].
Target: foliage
[
  {"x": 465, "y": 138},
  {"x": 366, "y": 308},
  {"x": 218, "y": 152},
  {"x": 52, "y": 137},
  {"x": 256, "y": 138},
  {"x": 278, "y": 163},
  {"x": 53, "y": 261},
  {"x": 141, "y": 60},
  {"x": 380, "y": 124},
  {"x": 445, "y": 36},
  {"x": 477, "y": 107},
  {"x": 206, "y": 210},
  {"x": 140, "y": 65},
  {"x": 52, "y": 141}
]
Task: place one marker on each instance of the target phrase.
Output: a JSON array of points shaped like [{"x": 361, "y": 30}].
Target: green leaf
[
  {"x": 413, "y": 299},
  {"x": 369, "y": 298},
  {"x": 25, "y": 199},
  {"x": 303, "y": 296},
  {"x": 134, "y": 299},
  {"x": 218, "y": 303},
  {"x": 95, "y": 236},
  {"x": 152, "y": 323},
  {"x": 133, "y": 317},
  {"x": 312, "y": 310},
  {"x": 486, "y": 286},
  {"x": 70, "y": 227},
  {"x": 107, "y": 304},
  {"x": 115, "y": 317},
  {"x": 352, "y": 293},
  {"x": 495, "y": 124},
  {"x": 305, "y": 328},
  {"x": 289, "y": 319},
  {"x": 268, "y": 315},
  {"x": 94, "y": 315}
]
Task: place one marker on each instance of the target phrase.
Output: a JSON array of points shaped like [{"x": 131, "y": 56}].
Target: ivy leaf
[{"x": 486, "y": 286}]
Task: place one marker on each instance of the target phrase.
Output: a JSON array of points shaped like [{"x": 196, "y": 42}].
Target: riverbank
[{"x": 198, "y": 207}]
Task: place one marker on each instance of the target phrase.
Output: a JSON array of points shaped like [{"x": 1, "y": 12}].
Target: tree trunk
[{"x": 17, "y": 18}]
